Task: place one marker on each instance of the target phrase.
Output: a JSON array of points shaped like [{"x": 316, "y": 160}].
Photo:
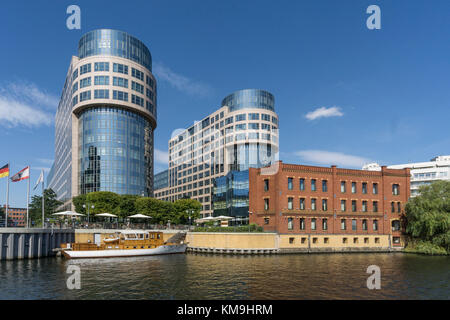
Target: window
[
  {"x": 101, "y": 94},
  {"x": 343, "y": 224},
  {"x": 343, "y": 186},
  {"x": 392, "y": 207},
  {"x": 266, "y": 184},
  {"x": 364, "y": 187},
  {"x": 343, "y": 205},
  {"x": 137, "y": 87},
  {"x": 75, "y": 74},
  {"x": 253, "y": 126},
  {"x": 101, "y": 80},
  {"x": 137, "y": 74},
  {"x": 266, "y": 220},
  {"x": 313, "y": 204},
  {"x": 120, "y": 82},
  {"x": 324, "y": 224},
  {"x": 364, "y": 206},
  {"x": 85, "y": 82},
  {"x": 240, "y": 127},
  {"x": 228, "y": 120},
  {"x": 399, "y": 207},
  {"x": 149, "y": 82},
  {"x": 302, "y": 223},
  {"x": 375, "y": 206},
  {"x": 101, "y": 66},
  {"x": 353, "y": 187},
  {"x": 302, "y": 203},
  {"x": 395, "y": 189},
  {"x": 290, "y": 183},
  {"x": 324, "y": 205},
  {"x": 313, "y": 185},
  {"x": 377, "y": 240},
  {"x": 303, "y": 240},
  {"x": 137, "y": 100},
  {"x": 396, "y": 240},
  {"x": 291, "y": 240},
  {"x": 366, "y": 240},
  {"x": 253, "y": 116},
  {"x": 355, "y": 240},
  {"x": 375, "y": 188},
  {"x": 344, "y": 240},
  {"x": 354, "y": 206},
  {"x": 395, "y": 225},
  {"x": 313, "y": 224},
  {"x": 375, "y": 225},
  {"x": 85, "y": 68},
  {"x": 354, "y": 224},
  {"x": 120, "y": 68},
  {"x": 302, "y": 184},
  {"x": 86, "y": 95},
  {"x": 290, "y": 224},
  {"x": 240, "y": 117},
  {"x": 266, "y": 204},
  {"x": 120, "y": 95},
  {"x": 364, "y": 224},
  {"x": 290, "y": 203},
  {"x": 74, "y": 87},
  {"x": 324, "y": 186},
  {"x": 265, "y": 117}
]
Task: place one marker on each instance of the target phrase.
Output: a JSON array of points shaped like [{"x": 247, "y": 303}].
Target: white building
[{"x": 422, "y": 173}]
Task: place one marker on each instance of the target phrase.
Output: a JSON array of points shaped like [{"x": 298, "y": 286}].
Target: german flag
[{"x": 4, "y": 171}]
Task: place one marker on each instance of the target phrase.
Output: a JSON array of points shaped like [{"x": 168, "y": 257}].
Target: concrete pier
[{"x": 20, "y": 243}]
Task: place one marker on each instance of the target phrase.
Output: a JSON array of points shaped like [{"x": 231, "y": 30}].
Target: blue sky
[{"x": 345, "y": 94}]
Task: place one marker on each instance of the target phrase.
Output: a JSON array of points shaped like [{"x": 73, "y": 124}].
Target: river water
[{"x": 202, "y": 276}]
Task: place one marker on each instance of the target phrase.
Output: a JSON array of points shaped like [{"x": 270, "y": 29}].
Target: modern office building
[
  {"x": 230, "y": 196},
  {"x": 345, "y": 207},
  {"x": 106, "y": 118},
  {"x": 241, "y": 134},
  {"x": 422, "y": 173}
]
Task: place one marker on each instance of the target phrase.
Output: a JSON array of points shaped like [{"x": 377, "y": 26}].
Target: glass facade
[
  {"x": 115, "y": 151},
  {"x": 230, "y": 195},
  {"x": 106, "y": 42},
  {"x": 161, "y": 180},
  {"x": 115, "y": 143},
  {"x": 249, "y": 98}
]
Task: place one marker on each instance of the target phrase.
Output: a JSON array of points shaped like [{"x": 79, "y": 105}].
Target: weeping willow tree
[{"x": 428, "y": 217}]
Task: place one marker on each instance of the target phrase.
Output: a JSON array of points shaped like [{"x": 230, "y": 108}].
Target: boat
[{"x": 126, "y": 243}]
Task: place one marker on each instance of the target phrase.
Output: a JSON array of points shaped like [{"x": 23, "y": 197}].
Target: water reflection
[{"x": 197, "y": 276}]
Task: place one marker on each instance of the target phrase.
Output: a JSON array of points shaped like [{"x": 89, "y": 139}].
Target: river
[{"x": 202, "y": 276}]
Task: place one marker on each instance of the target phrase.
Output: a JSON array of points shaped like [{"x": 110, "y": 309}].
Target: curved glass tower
[
  {"x": 106, "y": 118},
  {"x": 243, "y": 133}
]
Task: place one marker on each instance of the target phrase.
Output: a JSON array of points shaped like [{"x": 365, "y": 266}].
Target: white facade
[{"x": 422, "y": 173}]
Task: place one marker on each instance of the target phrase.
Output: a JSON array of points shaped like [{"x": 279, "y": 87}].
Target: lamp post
[
  {"x": 190, "y": 213},
  {"x": 85, "y": 206}
]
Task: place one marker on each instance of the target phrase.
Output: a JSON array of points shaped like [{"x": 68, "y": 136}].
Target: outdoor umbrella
[
  {"x": 137, "y": 216},
  {"x": 68, "y": 213},
  {"x": 106, "y": 215}
]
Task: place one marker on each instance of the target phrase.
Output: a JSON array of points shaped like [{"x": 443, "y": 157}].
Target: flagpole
[
  {"x": 7, "y": 197},
  {"x": 43, "y": 200},
  {"x": 28, "y": 195}
]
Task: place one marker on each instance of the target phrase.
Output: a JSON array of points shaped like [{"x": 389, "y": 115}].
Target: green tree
[
  {"x": 127, "y": 205},
  {"x": 428, "y": 215},
  {"x": 78, "y": 202},
  {"x": 185, "y": 208},
  {"x": 160, "y": 211},
  {"x": 50, "y": 206}
]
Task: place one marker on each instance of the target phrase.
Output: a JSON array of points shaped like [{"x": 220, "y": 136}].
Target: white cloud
[
  {"x": 324, "y": 112},
  {"x": 161, "y": 157},
  {"x": 181, "y": 82},
  {"x": 25, "y": 104},
  {"x": 332, "y": 158}
]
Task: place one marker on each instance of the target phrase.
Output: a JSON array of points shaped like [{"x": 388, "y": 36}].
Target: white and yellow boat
[{"x": 125, "y": 244}]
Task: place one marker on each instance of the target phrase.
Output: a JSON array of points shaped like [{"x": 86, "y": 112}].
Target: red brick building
[
  {"x": 17, "y": 217},
  {"x": 298, "y": 199}
]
